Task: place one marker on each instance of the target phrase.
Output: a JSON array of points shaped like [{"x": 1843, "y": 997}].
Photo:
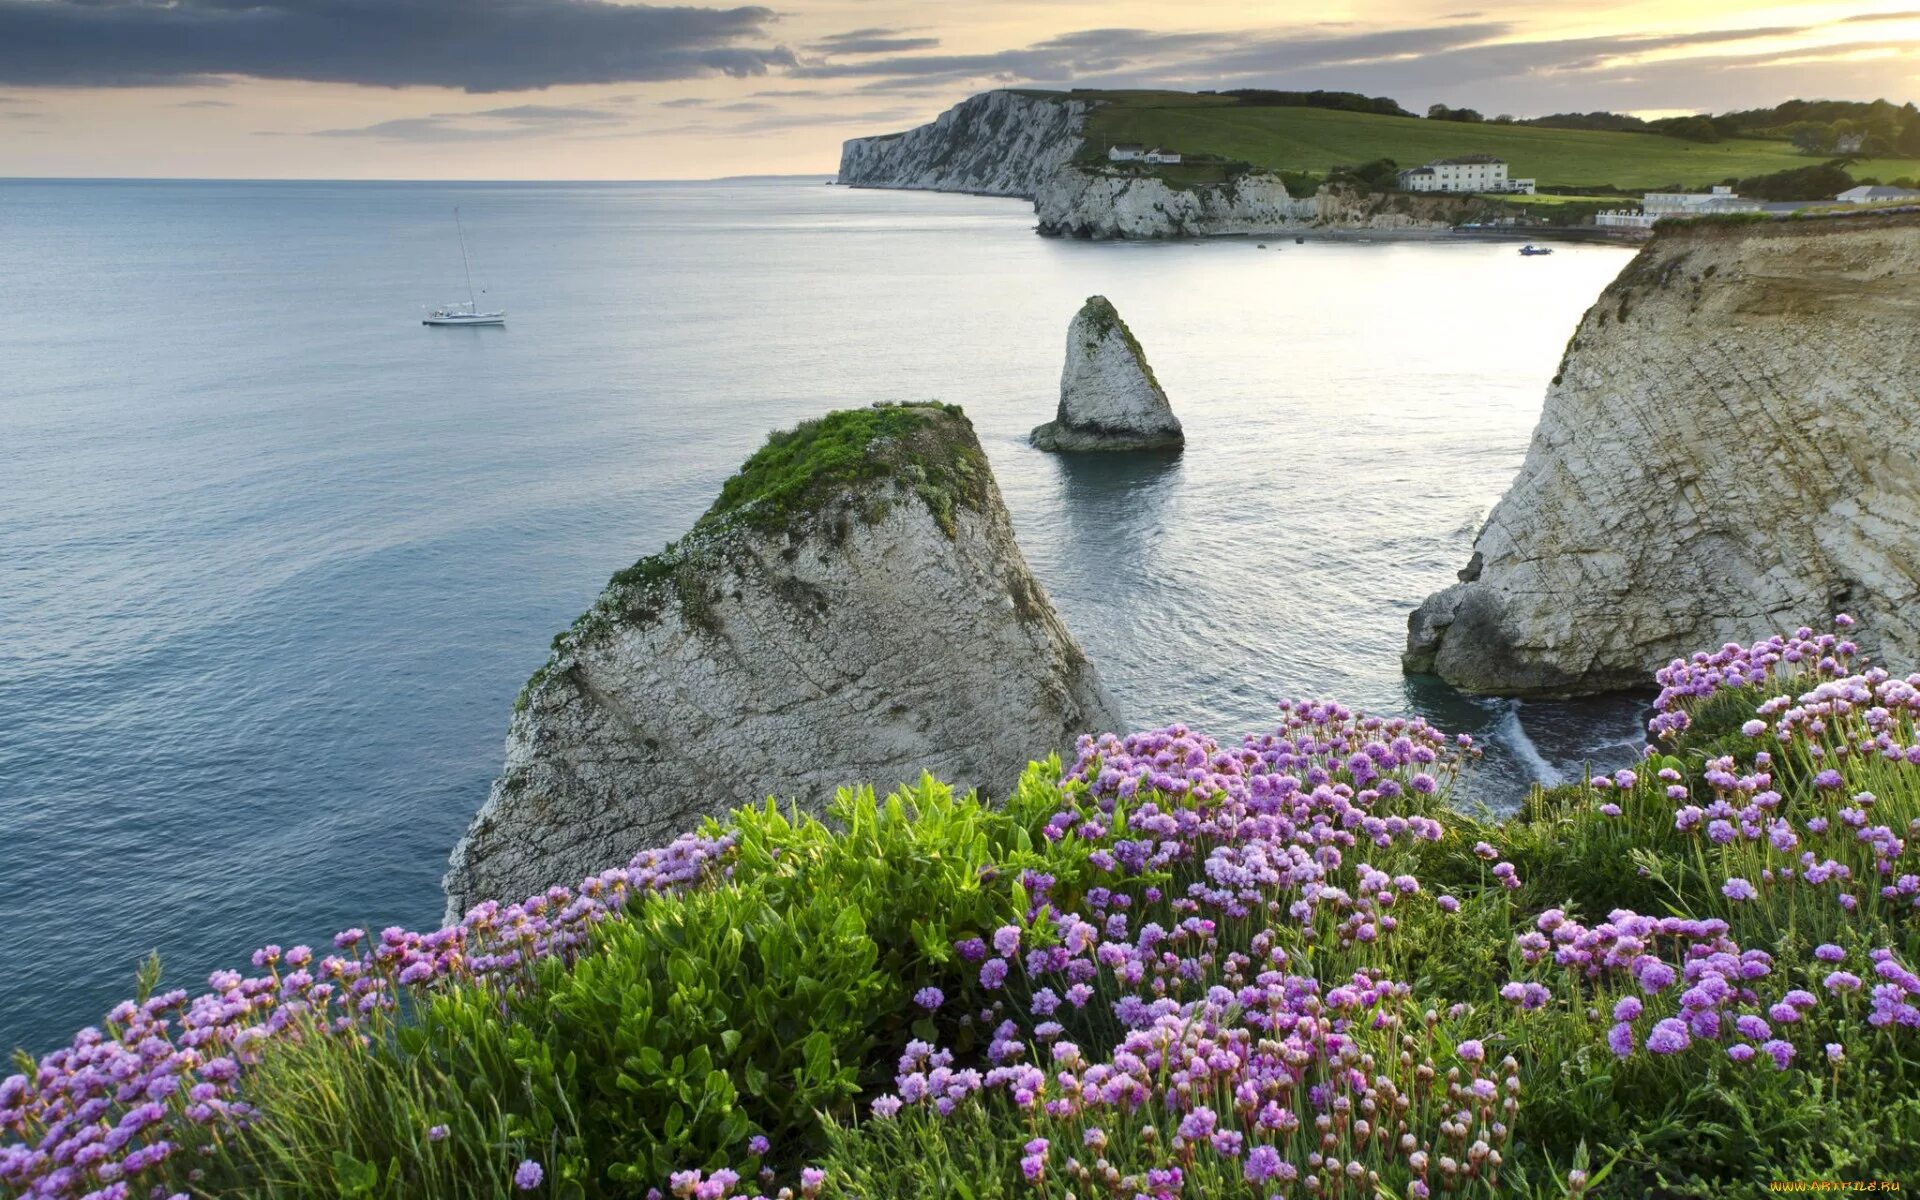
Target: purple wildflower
[
  {"x": 1620, "y": 1039},
  {"x": 1669, "y": 1037}
]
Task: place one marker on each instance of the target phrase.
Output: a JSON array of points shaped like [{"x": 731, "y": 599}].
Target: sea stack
[
  {"x": 852, "y": 609},
  {"x": 1109, "y": 399},
  {"x": 1728, "y": 449}
]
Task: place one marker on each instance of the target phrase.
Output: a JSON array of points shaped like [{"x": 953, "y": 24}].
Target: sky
[{"x": 605, "y": 89}]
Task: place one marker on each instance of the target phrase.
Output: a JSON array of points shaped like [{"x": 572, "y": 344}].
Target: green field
[{"x": 1316, "y": 139}]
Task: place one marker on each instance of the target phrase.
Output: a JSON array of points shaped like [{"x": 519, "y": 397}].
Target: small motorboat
[
  {"x": 1531, "y": 250},
  {"x": 468, "y": 313},
  {"x": 463, "y": 314}
]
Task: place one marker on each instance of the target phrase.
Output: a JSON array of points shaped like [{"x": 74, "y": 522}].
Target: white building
[
  {"x": 1656, "y": 206},
  {"x": 1624, "y": 218},
  {"x": 1468, "y": 173},
  {"x": 1157, "y": 155},
  {"x": 1697, "y": 204},
  {"x": 1876, "y": 194},
  {"x": 1126, "y": 152}
]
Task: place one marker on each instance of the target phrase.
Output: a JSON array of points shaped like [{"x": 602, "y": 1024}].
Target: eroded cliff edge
[
  {"x": 994, "y": 144},
  {"x": 853, "y": 607},
  {"x": 1729, "y": 448}
]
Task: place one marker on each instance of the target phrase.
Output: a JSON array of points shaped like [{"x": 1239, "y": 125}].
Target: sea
[{"x": 275, "y": 558}]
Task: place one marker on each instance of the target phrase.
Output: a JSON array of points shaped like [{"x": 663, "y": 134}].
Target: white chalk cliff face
[
  {"x": 995, "y": 144},
  {"x": 1730, "y": 448},
  {"x": 1079, "y": 202},
  {"x": 1122, "y": 204},
  {"x": 1109, "y": 398},
  {"x": 861, "y": 625}
]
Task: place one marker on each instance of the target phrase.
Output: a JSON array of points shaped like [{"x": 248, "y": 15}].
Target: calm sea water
[{"x": 274, "y": 558}]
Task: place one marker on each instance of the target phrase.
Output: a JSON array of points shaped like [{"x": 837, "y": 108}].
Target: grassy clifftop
[
  {"x": 931, "y": 447},
  {"x": 1316, "y": 139}
]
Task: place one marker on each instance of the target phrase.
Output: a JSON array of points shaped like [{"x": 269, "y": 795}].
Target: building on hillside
[
  {"x": 1697, "y": 204},
  {"x": 1624, "y": 218},
  {"x": 1868, "y": 193},
  {"x": 1657, "y": 206},
  {"x": 1126, "y": 152},
  {"x": 1467, "y": 173},
  {"x": 1157, "y": 155}
]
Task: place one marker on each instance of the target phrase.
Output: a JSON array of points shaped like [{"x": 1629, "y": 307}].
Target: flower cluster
[
  {"x": 1273, "y": 1084},
  {"x": 167, "y": 1073},
  {"x": 1685, "y": 683},
  {"x": 725, "y": 1183},
  {"x": 1164, "y": 1032},
  {"x": 1667, "y": 983},
  {"x": 1299, "y": 827}
]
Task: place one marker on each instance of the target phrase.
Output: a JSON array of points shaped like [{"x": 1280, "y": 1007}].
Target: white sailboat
[{"x": 468, "y": 313}]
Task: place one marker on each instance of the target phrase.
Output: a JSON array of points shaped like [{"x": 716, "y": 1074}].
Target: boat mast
[{"x": 472, "y": 302}]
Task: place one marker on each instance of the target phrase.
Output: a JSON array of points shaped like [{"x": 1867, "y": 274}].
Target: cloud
[
  {"x": 684, "y": 102},
  {"x": 205, "y": 104},
  {"x": 1880, "y": 16},
  {"x": 778, "y": 121},
  {"x": 475, "y": 45},
  {"x": 744, "y": 106},
  {"x": 542, "y": 113},
  {"x": 483, "y": 125},
  {"x": 1476, "y": 62},
  {"x": 1154, "y": 56},
  {"x": 872, "y": 41}
]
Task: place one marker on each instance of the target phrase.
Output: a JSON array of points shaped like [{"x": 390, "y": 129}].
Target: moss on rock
[
  {"x": 871, "y": 457},
  {"x": 1103, "y": 318}
]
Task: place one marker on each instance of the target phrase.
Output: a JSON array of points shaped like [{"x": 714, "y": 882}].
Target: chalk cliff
[
  {"x": 1729, "y": 448},
  {"x": 853, "y": 607},
  {"x": 1109, "y": 398},
  {"x": 1097, "y": 203},
  {"x": 1133, "y": 204},
  {"x": 996, "y": 144}
]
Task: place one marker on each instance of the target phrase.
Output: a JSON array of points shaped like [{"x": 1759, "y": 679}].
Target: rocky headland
[
  {"x": 852, "y": 608},
  {"x": 993, "y": 144},
  {"x": 1030, "y": 144},
  {"x": 1109, "y": 398},
  {"x": 1728, "y": 448}
]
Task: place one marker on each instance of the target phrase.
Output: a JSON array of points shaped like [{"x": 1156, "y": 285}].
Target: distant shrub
[
  {"x": 1379, "y": 175},
  {"x": 1300, "y": 183},
  {"x": 1341, "y": 101},
  {"x": 1609, "y": 121},
  {"x": 1690, "y": 129},
  {"x": 1822, "y": 182}
]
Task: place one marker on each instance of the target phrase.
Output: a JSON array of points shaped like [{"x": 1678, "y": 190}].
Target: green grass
[
  {"x": 932, "y": 444},
  {"x": 1313, "y": 139}
]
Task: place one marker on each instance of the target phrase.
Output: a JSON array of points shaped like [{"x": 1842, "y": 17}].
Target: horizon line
[{"x": 386, "y": 179}]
